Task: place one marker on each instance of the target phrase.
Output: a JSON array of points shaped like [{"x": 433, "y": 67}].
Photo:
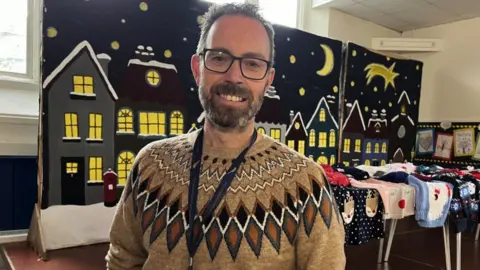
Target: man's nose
[{"x": 234, "y": 74}]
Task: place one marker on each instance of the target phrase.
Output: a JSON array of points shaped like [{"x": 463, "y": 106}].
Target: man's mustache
[{"x": 232, "y": 90}]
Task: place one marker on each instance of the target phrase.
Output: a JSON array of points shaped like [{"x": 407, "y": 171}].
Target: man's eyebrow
[{"x": 247, "y": 54}]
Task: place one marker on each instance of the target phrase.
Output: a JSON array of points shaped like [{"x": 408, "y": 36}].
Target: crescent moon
[{"x": 329, "y": 61}]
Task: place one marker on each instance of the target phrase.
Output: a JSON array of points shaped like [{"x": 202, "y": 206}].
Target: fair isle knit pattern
[{"x": 276, "y": 198}]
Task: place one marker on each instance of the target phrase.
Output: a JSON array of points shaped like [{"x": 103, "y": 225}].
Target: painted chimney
[
  {"x": 292, "y": 115},
  {"x": 104, "y": 60},
  {"x": 144, "y": 54}
]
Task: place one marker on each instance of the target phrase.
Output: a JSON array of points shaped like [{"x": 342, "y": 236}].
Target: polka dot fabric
[{"x": 362, "y": 212}]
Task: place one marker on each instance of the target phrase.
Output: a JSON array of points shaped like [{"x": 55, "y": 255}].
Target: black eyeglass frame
[{"x": 240, "y": 59}]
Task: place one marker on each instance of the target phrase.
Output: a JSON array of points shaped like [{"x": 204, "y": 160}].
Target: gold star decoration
[{"x": 388, "y": 74}]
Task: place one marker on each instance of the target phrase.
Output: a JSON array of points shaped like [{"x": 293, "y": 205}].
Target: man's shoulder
[{"x": 165, "y": 147}]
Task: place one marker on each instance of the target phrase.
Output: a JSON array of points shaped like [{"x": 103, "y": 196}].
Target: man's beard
[{"x": 226, "y": 117}]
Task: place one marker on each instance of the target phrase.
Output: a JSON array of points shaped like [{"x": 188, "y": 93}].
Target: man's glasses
[{"x": 220, "y": 61}]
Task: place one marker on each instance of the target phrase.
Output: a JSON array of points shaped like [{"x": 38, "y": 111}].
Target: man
[{"x": 252, "y": 202}]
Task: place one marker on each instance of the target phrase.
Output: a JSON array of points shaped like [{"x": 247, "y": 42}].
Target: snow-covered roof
[
  {"x": 82, "y": 45},
  {"x": 357, "y": 107},
  {"x": 104, "y": 56},
  {"x": 152, "y": 63},
  {"x": 297, "y": 115},
  {"x": 409, "y": 119},
  {"x": 404, "y": 93},
  {"x": 315, "y": 113}
]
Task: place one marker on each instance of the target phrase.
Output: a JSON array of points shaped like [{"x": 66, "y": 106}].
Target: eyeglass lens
[{"x": 219, "y": 61}]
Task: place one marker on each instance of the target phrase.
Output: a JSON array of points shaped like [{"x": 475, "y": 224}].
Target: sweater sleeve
[
  {"x": 320, "y": 240},
  {"x": 126, "y": 249}
]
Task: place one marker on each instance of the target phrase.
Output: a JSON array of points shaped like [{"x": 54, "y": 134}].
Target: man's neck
[{"x": 234, "y": 139}]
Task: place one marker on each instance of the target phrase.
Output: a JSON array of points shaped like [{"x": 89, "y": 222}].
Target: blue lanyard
[{"x": 219, "y": 194}]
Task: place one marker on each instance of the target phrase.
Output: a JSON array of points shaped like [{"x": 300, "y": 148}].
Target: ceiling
[{"x": 404, "y": 15}]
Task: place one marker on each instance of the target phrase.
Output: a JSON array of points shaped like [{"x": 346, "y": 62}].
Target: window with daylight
[
  {"x": 153, "y": 78},
  {"x": 322, "y": 115},
  {"x": 311, "y": 138},
  {"x": 301, "y": 147},
  {"x": 71, "y": 126},
  {"x": 346, "y": 146},
  {"x": 95, "y": 127},
  {"x": 95, "y": 169},
  {"x": 14, "y": 37},
  {"x": 124, "y": 165},
  {"x": 261, "y": 130},
  {"x": 275, "y": 134},
  {"x": 332, "y": 138},
  {"x": 322, "y": 160},
  {"x": 125, "y": 121},
  {"x": 72, "y": 167},
  {"x": 176, "y": 123},
  {"x": 83, "y": 85},
  {"x": 282, "y": 12},
  {"x": 152, "y": 123},
  {"x": 322, "y": 139}
]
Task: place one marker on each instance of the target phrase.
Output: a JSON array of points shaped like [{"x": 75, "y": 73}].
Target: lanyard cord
[{"x": 219, "y": 194}]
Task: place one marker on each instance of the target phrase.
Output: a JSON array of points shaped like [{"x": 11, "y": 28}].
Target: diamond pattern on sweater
[
  {"x": 175, "y": 231},
  {"x": 233, "y": 239},
  {"x": 214, "y": 237},
  {"x": 273, "y": 232},
  {"x": 254, "y": 235}
]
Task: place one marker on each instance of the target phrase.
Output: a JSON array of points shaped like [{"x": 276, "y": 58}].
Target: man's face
[{"x": 229, "y": 99}]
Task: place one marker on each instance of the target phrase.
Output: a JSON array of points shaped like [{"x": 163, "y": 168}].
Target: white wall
[{"x": 451, "y": 78}]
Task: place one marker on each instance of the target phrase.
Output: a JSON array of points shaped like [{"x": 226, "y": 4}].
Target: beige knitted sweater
[{"x": 278, "y": 213}]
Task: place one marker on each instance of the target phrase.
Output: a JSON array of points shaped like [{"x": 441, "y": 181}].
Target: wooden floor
[{"x": 413, "y": 248}]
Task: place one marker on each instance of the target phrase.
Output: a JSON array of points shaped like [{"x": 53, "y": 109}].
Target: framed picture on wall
[
  {"x": 443, "y": 146},
  {"x": 425, "y": 141},
  {"x": 476, "y": 156},
  {"x": 464, "y": 142}
]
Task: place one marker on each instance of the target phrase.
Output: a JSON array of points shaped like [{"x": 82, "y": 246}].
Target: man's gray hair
[{"x": 247, "y": 10}]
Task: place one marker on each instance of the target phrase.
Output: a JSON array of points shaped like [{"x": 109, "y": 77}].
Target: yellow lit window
[
  {"x": 125, "y": 121},
  {"x": 153, "y": 78},
  {"x": 367, "y": 162},
  {"x": 72, "y": 167},
  {"x": 124, "y": 163},
  {"x": 95, "y": 126},
  {"x": 383, "y": 163},
  {"x": 322, "y": 160},
  {"x": 176, "y": 123},
  {"x": 95, "y": 169},
  {"x": 322, "y": 139},
  {"x": 322, "y": 115},
  {"x": 369, "y": 147},
  {"x": 301, "y": 147},
  {"x": 403, "y": 109},
  {"x": 358, "y": 145},
  {"x": 261, "y": 130},
  {"x": 311, "y": 138},
  {"x": 332, "y": 159},
  {"x": 71, "y": 125},
  {"x": 83, "y": 84},
  {"x": 275, "y": 134},
  {"x": 346, "y": 145},
  {"x": 377, "y": 148},
  {"x": 291, "y": 144},
  {"x": 384, "y": 147},
  {"x": 332, "y": 138},
  {"x": 346, "y": 163},
  {"x": 152, "y": 123}
]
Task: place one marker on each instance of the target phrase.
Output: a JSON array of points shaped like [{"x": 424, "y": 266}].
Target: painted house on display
[
  {"x": 152, "y": 105},
  {"x": 268, "y": 120},
  {"x": 400, "y": 148},
  {"x": 322, "y": 133},
  {"x": 78, "y": 128},
  {"x": 296, "y": 134},
  {"x": 375, "y": 145},
  {"x": 353, "y": 135}
]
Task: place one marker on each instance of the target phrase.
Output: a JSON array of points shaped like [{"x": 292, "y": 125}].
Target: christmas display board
[
  {"x": 116, "y": 75},
  {"x": 447, "y": 144},
  {"x": 380, "y": 111}
]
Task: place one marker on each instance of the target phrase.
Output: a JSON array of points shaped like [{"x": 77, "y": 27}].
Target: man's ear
[{"x": 195, "y": 66}]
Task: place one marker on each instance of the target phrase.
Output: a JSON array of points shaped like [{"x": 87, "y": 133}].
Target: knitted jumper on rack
[{"x": 277, "y": 214}]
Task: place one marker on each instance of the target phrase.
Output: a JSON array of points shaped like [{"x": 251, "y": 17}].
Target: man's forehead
[{"x": 239, "y": 35}]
